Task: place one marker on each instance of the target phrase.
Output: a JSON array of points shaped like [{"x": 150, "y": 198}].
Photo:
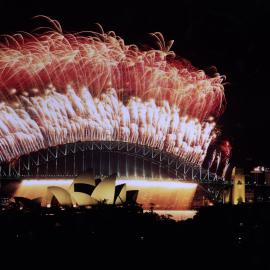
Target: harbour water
[{"x": 177, "y": 215}]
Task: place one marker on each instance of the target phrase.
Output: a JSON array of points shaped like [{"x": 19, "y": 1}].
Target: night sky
[{"x": 230, "y": 35}]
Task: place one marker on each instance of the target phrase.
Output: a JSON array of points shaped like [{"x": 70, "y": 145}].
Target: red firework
[
  {"x": 102, "y": 60},
  {"x": 58, "y": 88}
]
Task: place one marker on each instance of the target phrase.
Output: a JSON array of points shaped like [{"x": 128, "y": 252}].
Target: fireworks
[{"x": 60, "y": 88}]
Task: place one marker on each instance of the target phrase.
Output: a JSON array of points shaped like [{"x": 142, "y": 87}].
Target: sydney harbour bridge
[{"x": 108, "y": 157}]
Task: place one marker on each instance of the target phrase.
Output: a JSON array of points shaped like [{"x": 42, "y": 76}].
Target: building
[
  {"x": 238, "y": 192},
  {"x": 85, "y": 190},
  {"x": 261, "y": 181}
]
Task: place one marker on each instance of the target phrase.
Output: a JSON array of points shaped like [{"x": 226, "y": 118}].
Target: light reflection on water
[{"x": 177, "y": 214}]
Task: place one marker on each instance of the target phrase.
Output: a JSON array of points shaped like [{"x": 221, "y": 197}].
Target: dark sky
[{"x": 231, "y": 35}]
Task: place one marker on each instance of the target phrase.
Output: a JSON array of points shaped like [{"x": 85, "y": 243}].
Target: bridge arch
[{"x": 72, "y": 159}]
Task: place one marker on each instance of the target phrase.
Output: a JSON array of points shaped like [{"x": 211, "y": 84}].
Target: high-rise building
[{"x": 261, "y": 181}]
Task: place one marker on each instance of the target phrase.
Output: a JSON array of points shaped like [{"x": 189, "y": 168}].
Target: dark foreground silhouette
[{"x": 236, "y": 236}]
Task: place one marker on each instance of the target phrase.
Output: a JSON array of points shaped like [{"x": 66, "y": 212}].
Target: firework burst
[{"x": 58, "y": 88}]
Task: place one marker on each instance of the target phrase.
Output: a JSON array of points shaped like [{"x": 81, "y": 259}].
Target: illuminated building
[
  {"x": 261, "y": 175},
  {"x": 261, "y": 182},
  {"x": 86, "y": 191},
  {"x": 238, "y": 191}
]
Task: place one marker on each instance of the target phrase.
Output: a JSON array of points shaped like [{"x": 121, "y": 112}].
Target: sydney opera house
[{"x": 87, "y": 191}]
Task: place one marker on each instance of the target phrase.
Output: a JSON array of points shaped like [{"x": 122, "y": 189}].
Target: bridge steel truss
[{"x": 27, "y": 166}]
